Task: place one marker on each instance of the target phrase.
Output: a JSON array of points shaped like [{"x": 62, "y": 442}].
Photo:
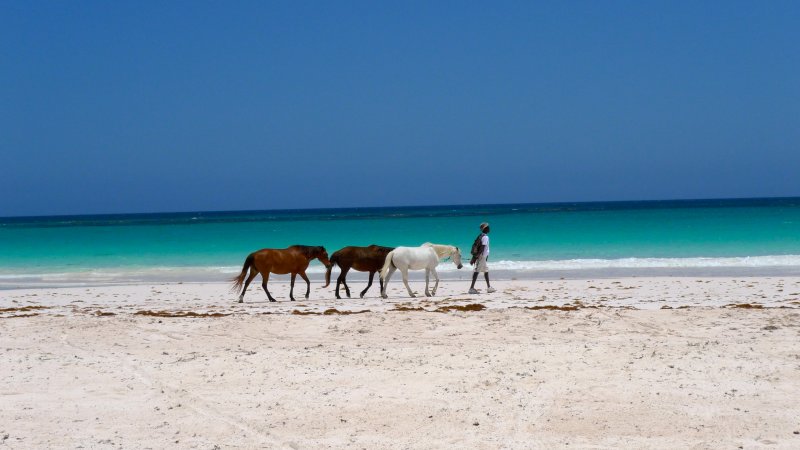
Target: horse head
[
  {"x": 457, "y": 258},
  {"x": 446, "y": 251},
  {"x": 322, "y": 255}
]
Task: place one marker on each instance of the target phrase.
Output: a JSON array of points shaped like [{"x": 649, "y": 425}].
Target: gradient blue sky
[{"x": 179, "y": 106}]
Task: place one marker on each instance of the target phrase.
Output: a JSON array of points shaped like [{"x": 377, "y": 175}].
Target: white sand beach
[{"x": 603, "y": 363}]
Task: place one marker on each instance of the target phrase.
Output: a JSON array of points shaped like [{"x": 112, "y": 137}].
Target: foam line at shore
[
  {"x": 591, "y": 267},
  {"x": 651, "y": 263}
]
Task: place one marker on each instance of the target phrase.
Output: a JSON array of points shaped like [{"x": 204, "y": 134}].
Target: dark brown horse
[
  {"x": 293, "y": 260},
  {"x": 364, "y": 259}
]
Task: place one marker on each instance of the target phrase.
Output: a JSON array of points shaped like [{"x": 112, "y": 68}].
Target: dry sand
[{"x": 608, "y": 368}]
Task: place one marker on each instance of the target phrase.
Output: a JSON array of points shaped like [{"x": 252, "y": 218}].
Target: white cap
[{"x": 484, "y": 225}]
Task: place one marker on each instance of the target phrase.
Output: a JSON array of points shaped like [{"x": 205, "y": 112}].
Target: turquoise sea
[{"x": 526, "y": 238}]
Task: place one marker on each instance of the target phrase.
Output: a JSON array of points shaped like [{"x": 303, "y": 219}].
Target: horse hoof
[
  {"x": 384, "y": 296},
  {"x": 241, "y": 301},
  {"x": 306, "y": 297},
  {"x": 362, "y": 295},
  {"x": 272, "y": 300},
  {"x": 338, "y": 298}
]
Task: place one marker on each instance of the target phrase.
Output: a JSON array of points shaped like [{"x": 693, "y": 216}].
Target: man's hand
[{"x": 473, "y": 260}]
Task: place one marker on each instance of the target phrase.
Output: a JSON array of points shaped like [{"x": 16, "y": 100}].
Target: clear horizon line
[{"x": 397, "y": 206}]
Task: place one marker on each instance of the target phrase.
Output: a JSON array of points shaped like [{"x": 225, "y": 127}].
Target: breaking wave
[{"x": 122, "y": 275}]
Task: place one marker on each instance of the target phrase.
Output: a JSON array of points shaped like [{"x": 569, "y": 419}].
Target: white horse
[{"x": 426, "y": 257}]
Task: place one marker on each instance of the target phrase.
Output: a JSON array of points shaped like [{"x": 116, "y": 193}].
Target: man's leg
[
  {"x": 480, "y": 266},
  {"x": 472, "y": 289}
]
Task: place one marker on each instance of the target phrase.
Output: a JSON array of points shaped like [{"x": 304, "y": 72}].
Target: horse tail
[
  {"x": 334, "y": 261},
  {"x": 238, "y": 281},
  {"x": 387, "y": 264}
]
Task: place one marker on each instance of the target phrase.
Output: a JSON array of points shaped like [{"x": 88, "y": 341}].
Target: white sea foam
[
  {"x": 651, "y": 263},
  {"x": 618, "y": 267},
  {"x": 620, "y": 263}
]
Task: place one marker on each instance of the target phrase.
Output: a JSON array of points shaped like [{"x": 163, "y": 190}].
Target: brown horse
[
  {"x": 364, "y": 259},
  {"x": 293, "y": 260}
]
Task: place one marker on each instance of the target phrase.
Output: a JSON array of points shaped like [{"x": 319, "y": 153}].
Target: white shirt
[{"x": 485, "y": 243}]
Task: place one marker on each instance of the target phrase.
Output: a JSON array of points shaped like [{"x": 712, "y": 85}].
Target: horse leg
[
  {"x": 308, "y": 284},
  {"x": 253, "y": 273},
  {"x": 435, "y": 285},
  {"x": 264, "y": 279},
  {"x": 369, "y": 283},
  {"x": 291, "y": 287},
  {"x": 427, "y": 280},
  {"x": 405, "y": 281},
  {"x": 343, "y": 279},
  {"x": 385, "y": 283}
]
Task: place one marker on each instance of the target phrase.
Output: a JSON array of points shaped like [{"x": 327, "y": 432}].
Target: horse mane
[
  {"x": 309, "y": 251},
  {"x": 442, "y": 251}
]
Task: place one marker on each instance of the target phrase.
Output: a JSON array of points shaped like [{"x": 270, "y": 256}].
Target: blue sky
[{"x": 179, "y": 106}]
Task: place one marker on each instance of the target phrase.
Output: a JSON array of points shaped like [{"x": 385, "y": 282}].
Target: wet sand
[{"x": 608, "y": 363}]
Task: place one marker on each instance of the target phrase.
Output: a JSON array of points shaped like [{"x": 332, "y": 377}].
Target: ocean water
[{"x": 608, "y": 237}]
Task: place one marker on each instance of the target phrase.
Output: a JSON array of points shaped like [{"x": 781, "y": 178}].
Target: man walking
[{"x": 480, "y": 253}]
